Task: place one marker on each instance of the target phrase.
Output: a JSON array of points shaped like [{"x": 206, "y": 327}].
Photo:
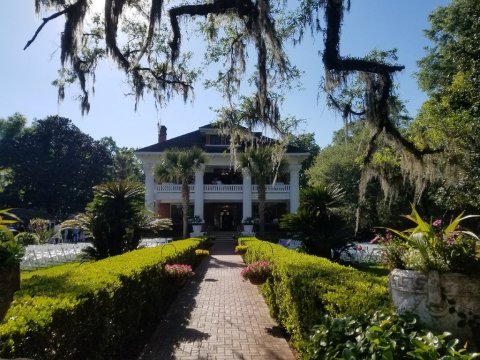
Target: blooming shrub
[
  {"x": 257, "y": 269},
  {"x": 179, "y": 270}
]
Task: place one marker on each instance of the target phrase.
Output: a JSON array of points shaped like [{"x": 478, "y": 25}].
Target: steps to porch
[{"x": 223, "y": 237}]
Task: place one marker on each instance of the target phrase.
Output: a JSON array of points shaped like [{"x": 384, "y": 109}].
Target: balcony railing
[{"x": 220, "y": 188}]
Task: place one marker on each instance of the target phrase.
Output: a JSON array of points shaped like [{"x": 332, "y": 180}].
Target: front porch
[{"x": 224, "y": 216}]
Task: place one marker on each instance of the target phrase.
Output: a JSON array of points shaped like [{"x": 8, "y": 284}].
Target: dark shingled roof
[{"x": 194, "y": 138}]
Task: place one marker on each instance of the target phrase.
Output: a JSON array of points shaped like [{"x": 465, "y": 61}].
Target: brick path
[{"x": 218, "y": 316}]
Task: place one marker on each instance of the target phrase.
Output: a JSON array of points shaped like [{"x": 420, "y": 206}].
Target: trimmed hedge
[
  {"x": 94, "y": 310},
  {"x": 303, "y": 289}
]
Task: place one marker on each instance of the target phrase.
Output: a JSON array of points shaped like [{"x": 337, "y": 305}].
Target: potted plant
[
  {"x": 248, "y": 225},
  {"x": 257, "y": 272},
  {"x": 196, "y": 222},
  {"x": 179, "y": 272},
  {"x": 11, "y": 253},
  {"x": 202, "y": 252},
  {"x": 435, "y": 275}
]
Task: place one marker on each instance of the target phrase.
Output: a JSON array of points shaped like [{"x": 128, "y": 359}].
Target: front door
[{"x": 226, "y": 216}]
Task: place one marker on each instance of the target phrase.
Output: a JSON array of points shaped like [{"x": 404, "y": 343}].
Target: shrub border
[
  {"x": 98, "y": 319},
  {"x": 304, "y": 288}
]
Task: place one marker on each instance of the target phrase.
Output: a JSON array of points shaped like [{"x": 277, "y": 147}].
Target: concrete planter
[
  {"x": 247, "y": 230},
  {"x": 197, "y": 230},
  {"x": 443, "y": 302},
  {"x": 9, "y": 283}
]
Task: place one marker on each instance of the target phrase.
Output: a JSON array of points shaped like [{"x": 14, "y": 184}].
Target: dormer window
[{"x": 216, "y": 140}]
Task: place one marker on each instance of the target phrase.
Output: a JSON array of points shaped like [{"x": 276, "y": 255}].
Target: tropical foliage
[
  {"x": 432, "y": 246},
  {"x": 179, "y": 166},
  {"x": 261, "y": 164},
  {"x": 116, "y": 219},
  {"x": 381, "y": 336},
  {"x": 318, "y": 223},
  {"x": 11, "y": 250}
]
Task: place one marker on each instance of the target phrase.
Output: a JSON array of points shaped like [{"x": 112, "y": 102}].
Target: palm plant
[
  {"x": 261, "y": 165},
  {"x": 317, "y": 222},
  {"x": 116, "y": 219},
  {"x": 178, "y": 166},
  {"x": 11, "y": 251}
]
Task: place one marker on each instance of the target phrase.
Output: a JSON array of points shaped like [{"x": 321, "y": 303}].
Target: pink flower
[
  {"x": 359, "y": 247},
  {"x": 437, "y": 223}
]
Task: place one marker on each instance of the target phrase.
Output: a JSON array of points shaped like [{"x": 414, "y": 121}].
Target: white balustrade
[
  {"x": 221, "y": 188},
  {"x": 172, "y": 188},
  {"x": 277, "y": 188}
]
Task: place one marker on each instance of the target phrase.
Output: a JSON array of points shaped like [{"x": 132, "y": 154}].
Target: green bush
[
  {"x": 94, "y": 310},
  {"x": 381, "y": 336},
  {"x": 26, "y": 238},
  {"x": 303, "y": 289}
]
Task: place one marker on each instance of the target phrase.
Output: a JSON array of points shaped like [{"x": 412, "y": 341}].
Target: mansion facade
[{"x": 220, "y": 194}]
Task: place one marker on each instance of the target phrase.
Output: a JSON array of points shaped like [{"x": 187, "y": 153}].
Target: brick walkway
[{"x": 218, "y": 316}]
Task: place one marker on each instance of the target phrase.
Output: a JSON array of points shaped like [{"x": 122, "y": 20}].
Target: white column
[
  {"x": 247, "y": 194},
  {"x": 199, "y": 192},
  {"x": 149, "y": 185},
  {"x": 294, "y": 187}
]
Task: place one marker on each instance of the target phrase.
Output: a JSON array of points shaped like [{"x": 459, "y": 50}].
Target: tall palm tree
[
  {"x": 179, "y": 165},
  {"x": 261, "y": 165}
]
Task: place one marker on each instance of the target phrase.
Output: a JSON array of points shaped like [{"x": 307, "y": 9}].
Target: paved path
[{"x": 218, "y": 316}]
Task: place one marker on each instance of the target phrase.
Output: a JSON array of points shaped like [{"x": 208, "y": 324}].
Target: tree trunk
[
  {"x": 261, "y": 204},
  {"x": 185, "y": 205}
]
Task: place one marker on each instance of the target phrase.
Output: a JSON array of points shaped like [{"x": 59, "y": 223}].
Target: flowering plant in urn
[
  {"x": 432, "y": 246},
  {"x": 436, "y": 275}
]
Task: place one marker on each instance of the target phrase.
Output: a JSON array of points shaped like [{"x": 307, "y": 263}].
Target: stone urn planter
[
  {"x": 9, "y": 283},
  {"x": 197, "y": 229},
  {"x": 247, "y": 229},
  {"x": 442, "y": 301}
]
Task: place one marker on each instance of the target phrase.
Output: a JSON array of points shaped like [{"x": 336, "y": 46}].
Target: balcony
[{"x": 221, "y": 188}]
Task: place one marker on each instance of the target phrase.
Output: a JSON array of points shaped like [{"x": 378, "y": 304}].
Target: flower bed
[{"x": 91, "y": 310}]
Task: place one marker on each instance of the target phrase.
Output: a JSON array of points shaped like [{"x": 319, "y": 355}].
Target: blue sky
[{"x": 26, "y": 76}]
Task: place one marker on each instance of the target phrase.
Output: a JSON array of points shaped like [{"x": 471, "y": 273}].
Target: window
[{"x": 216, "y": 140}]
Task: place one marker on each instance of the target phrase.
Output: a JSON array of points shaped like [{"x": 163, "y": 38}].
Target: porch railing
[{"x": 220, "y": 188}]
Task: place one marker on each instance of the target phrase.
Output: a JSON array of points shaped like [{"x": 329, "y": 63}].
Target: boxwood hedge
[
  {"x": 303, "y": 289},
  {"x": 95, "y": 310}
]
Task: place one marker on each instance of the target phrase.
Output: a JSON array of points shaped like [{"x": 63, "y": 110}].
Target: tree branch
[
  {"x": 218, "y": 7},
  {"x": 45, "y": 21}
]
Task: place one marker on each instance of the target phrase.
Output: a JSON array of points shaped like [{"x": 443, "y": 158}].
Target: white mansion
[{"x": 220, "y": 195}]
